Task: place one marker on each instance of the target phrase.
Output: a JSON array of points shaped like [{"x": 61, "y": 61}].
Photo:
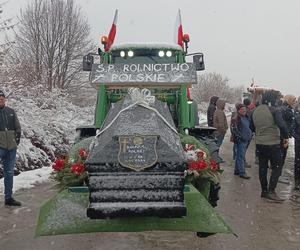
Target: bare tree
[
  {"x": 6, "y": 25},
  {"x": 51, "y": 39},
  {"x": 211, "y": 84}
]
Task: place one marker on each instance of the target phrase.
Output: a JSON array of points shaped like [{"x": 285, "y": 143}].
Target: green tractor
[
  {"x": 136, "y": 165},
  {"x": 166, "y": 58}
]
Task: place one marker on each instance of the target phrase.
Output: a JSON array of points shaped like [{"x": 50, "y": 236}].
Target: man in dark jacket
[
  {"x": 211, "y": 110},
  {"x": 269, "y": 126},
  {"x": 287, "y": 111},
  {"x": 10, "y": 133}
]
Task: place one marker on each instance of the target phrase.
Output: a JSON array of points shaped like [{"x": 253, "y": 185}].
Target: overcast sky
[{"x": 240, "y": 39}]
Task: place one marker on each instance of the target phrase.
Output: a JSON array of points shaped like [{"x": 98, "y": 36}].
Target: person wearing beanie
[
  {"x": 268, "y": 125},
  {"x": 241, "y": 135},
  {"x": 10, "y": 133}
]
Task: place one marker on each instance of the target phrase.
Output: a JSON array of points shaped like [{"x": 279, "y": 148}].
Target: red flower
[
  {"x": 214, "y": 165},
  {"x": 58, "y": 165},
  {"x": 202, "y": 165},
  {"x": 193, "y": 166},
  {"x": 77, "y": 169},
  {"x": 199, "y": 165},
  {"x": 82, "y": 154},
  {"x": 200, "y": 154}
]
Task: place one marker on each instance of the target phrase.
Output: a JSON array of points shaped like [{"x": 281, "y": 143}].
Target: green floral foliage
[
  {"x": 204, "y": 168},
  {"x": 188, "y": 139},
  {"x": 70, "y": 171},
  {"x": 82, "y": 144}
]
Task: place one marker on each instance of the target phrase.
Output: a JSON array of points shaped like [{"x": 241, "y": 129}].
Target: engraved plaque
[{"x": 137, "y": 152}]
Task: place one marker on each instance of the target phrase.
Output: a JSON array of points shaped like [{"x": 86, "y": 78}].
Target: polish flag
[
  {"x": 178, "y": 35},
  {"x": 112, "y": 32},
  {"x": 188, "y": 94}
]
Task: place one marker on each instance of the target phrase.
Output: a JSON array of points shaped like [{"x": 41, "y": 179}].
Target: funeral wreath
[{"x": 71, "y": 172}]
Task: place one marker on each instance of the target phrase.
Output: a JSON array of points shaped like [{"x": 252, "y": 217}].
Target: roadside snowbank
[{"x": 28, "y": 179}]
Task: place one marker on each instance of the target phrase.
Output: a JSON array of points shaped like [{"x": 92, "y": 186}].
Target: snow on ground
[
  {"x": 202, "y": 119},
  {"x": 28, "y": 179}
]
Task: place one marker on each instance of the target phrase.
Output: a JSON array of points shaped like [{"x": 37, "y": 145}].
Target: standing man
[
  {"x": 220, "y": 121},
  {"x": 287, "y": 111},
  {"x": 242, "y": 134},
  {"x": 250, "y": 106},
  {"x": 10, "y": 133},
  {"x": 269, "y": 127},
  {"x": 211, "y": 110}
]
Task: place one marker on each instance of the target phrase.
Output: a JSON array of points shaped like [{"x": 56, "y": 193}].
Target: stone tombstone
[{"x": 136, "y": 166}]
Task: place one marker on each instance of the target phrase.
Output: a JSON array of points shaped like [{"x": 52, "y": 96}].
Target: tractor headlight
[
  {"x": 161, "y": 53},
  {"x": 130, "y": 53},
  {"x": 169, "y": 53},
  {"x": 122, "y": 53}
]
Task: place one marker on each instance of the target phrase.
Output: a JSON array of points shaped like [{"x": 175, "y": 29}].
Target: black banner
[{"x": 171, "y": 73}]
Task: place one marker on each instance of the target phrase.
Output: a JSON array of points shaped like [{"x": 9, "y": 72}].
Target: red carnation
[
  {"x": 202, "y": 165},
  {"x": 77, "y": 169},
  {"x": 214, "y": 165},
  {"x": 193, "y": 166},
  {"x": 58, "y": 165},
  {"x": 199, "y": 165},
  {"x": 200, "y": 154},
  {"x": 83, "y": 154}
]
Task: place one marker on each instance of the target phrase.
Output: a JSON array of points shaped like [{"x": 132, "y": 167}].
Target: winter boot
[
  {"x": 274, "y": 197},
  {"x": 12, "y": 202},
  {"x": 264, "y": 194}
]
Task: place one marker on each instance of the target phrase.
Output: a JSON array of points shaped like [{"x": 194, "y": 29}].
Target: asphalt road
[{"x": 259, "y": 224}]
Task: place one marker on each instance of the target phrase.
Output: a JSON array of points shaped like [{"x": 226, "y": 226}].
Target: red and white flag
[
  {"x": 178, "y": 35},
  {"x": 112, "y": 32}
]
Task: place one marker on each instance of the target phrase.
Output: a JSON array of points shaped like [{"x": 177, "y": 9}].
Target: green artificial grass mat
[{"x": 66, "y": 214}]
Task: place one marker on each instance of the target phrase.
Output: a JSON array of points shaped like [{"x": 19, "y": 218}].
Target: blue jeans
[
  {"x": 8, "y": 158},
  {"x": 234, "y": 151},
  {"x": 220, "y": 139},
  {"x": 241, "y": 149}
]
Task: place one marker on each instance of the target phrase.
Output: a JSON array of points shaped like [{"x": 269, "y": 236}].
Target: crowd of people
[{"x": 271, "y": 121}]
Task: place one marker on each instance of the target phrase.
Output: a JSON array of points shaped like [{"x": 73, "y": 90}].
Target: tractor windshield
[{"x": 145, "y": 56}]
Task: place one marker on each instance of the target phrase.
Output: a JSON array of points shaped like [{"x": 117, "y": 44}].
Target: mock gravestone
[{"x": 136, "y": 165}]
